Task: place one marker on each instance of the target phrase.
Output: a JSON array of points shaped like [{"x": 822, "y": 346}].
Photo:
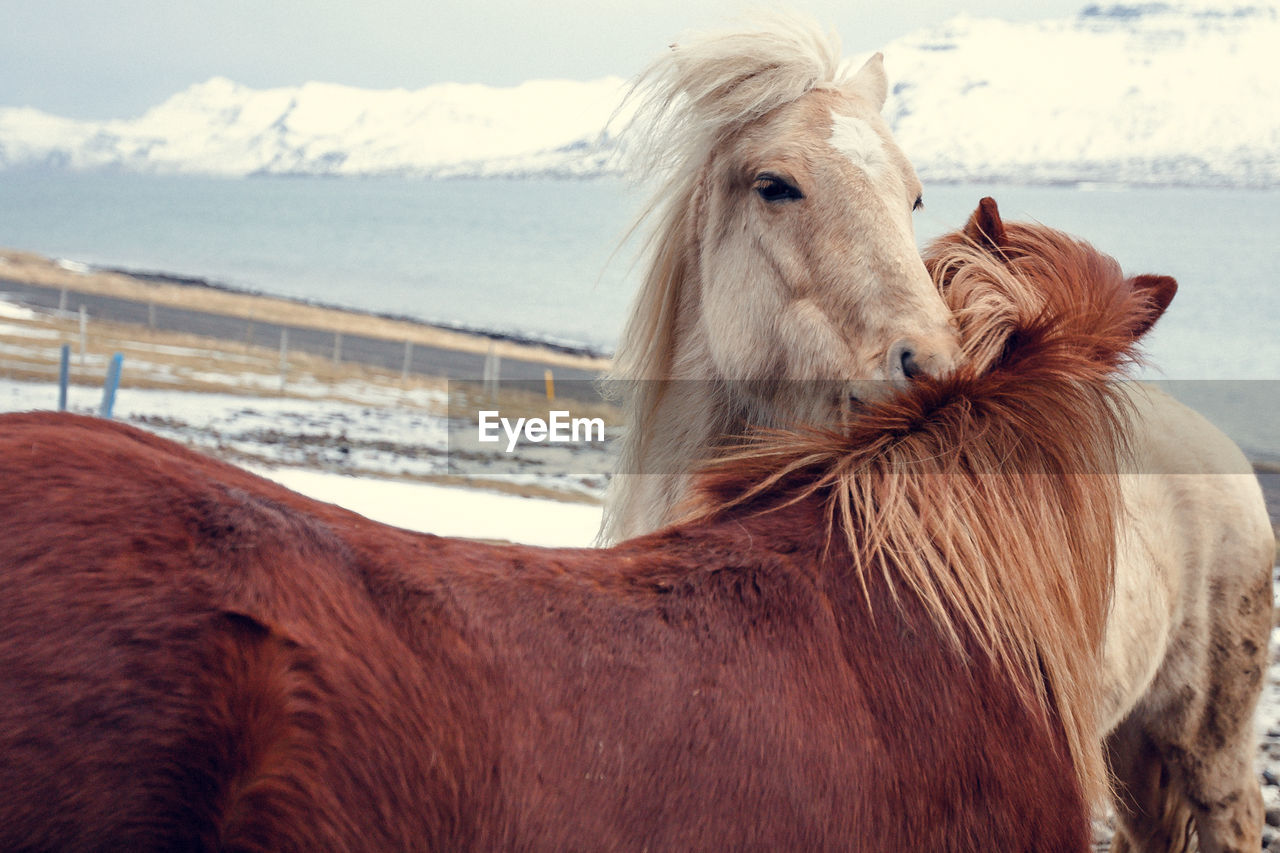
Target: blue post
[
  {"x": 113, "y": 382},
  {"x": 64, "y": 376}
]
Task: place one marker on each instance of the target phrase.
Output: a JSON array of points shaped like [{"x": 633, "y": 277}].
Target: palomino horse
[
  {"x": 783, "y": 249},
  {"x": 1186, "y": 647},
  {"x": 856, "y": 640}
]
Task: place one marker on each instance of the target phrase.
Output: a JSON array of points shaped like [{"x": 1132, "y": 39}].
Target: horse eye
[
  {"x": 772, "y": 189},
  {"x": 919, "y": 203}
]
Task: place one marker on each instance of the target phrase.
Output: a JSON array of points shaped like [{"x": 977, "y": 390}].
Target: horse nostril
[
  {"x": 910, "y": 367},
  {"x": 906, "y": 363}
]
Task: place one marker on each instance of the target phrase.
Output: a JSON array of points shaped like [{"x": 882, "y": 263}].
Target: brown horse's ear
[
  {"x": 1159, "y": 291},
  {"x": 985, "y": 227}
]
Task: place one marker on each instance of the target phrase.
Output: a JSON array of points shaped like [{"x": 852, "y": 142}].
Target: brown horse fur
[
  {"x": 192, "y": 657},
  {"x": 1186, "y": 647}
]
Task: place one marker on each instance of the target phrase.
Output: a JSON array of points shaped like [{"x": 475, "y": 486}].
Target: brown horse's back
[
  {"x": 189, "y": 663},
  {"x": 195, "y": 658}
]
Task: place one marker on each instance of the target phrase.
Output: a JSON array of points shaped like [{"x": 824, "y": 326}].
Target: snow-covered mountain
[
  {"x": 1184, "y": 93},
  {"x": 219, "y": 127},
  {"x": 1151, "y": 93}
]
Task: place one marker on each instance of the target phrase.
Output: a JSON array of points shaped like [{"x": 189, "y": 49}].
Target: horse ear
[
  {"x": 1159, "y": 291},
  {"x": 985, "y": 227},
  {"x": 870, "y": 83}
]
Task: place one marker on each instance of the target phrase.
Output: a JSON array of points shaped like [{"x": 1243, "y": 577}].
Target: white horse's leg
[
  {"x": 1152, "y": 815},
  {"x": 1233, "y": 822},
  {"x": 1215, "y": 752},
  {"x": 1186, "y": 753}
]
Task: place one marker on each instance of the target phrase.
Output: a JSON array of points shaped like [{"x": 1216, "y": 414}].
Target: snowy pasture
[{"x": 312, "y": 447}]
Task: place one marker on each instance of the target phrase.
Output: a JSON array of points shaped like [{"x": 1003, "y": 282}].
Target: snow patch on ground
[
  {"x": 445, "y": 511},
  {"x": 345, "y": 454},
  {"x": 10, "y": 311}
]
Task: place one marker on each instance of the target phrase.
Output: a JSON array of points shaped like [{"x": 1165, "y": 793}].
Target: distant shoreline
[
  {"x": 190, "y": 292},
  {"x": 163, "y": 277}
]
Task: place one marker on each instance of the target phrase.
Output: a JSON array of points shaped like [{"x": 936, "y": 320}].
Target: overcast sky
[{"x": 115, "y": 58}]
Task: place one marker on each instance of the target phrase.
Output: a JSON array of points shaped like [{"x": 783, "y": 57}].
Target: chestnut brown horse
[
  {"x": 849, "y": 643},
  {"x": 1186, "y": 649}
]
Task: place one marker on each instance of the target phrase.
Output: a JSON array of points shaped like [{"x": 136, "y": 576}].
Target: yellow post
[{"x": 551, "y": 385}]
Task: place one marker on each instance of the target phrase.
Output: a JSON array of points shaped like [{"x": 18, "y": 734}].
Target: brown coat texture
[{"x": 192, "y": 657}]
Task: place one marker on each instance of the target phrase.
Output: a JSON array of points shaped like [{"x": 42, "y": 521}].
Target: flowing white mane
[
  {"x": 713, "y": 83},
  {"x": 703, "y": 90},
  {"x": 747, "y": 296},
  {"x": 706, "y": 88}
]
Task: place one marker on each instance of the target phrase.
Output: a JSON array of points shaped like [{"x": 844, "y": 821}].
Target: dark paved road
[{"x": 378, "y": 352}]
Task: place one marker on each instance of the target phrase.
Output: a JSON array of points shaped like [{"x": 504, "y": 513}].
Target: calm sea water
[
  {"x": 520, "y": 256},
  {"x": 542, "y": 257}
]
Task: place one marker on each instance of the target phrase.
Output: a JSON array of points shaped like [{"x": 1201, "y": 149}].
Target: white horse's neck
[
  {"x": 663, "y": 435},
  {"x": 673, "y": 427},
  {"x": 641, "y": 502}
]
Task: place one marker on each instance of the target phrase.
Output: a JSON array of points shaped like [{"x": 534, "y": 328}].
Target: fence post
[
  {"x": 284, "y": 356},
  {"x": 492, "y": 372},
  {"x": 408, "y": 361},
  {"x": 551, "y": 385},
  {"x": 64, "y": 377},
  {"x": 84, "y": 332},
  {"x": 113, "y": 383},
  {"x": 337, "y": 348}
]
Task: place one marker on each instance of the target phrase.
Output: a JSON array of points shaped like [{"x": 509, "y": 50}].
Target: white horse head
[{"x": 784, "y": 276}]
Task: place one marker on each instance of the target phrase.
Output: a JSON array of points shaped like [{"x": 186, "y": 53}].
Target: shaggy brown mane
[
  {"x": 943, "y": 490},
  {"x": 998, "y": 276}
]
